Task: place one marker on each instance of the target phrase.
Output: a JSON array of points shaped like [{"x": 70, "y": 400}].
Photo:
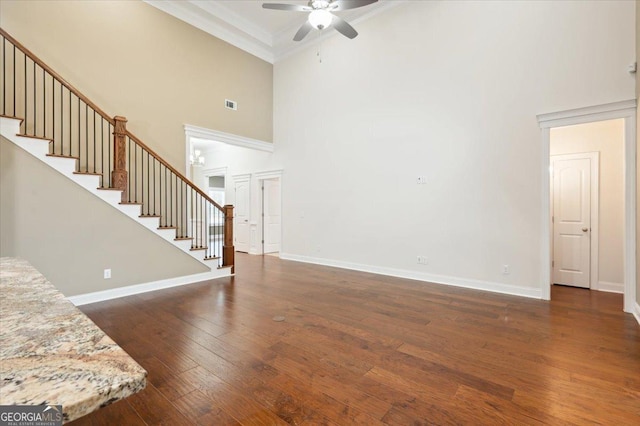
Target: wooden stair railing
[{"x": 53, "y": 109}]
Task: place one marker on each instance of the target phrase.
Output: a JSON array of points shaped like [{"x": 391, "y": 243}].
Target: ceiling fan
[{"x": 321, "y": 16}]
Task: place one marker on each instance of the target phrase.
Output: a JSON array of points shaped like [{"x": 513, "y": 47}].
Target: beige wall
[
  {"x": 607, "y": 138},
  {"x": 133, "y": 60},
  {"x": 71, "y": 236}
]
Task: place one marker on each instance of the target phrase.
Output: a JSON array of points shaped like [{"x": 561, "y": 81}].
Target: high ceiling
[{"x": 267, "y": 34}]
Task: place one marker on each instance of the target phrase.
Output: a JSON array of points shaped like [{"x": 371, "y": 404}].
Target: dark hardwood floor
[{"x": 357, "y": 348}]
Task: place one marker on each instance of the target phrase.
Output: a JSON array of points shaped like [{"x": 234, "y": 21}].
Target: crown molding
[
  {"x": 236, "y": 20},
  {"x": 201, "y": 17},
  {"x": 228, "y": 138},
  {"x": 220, "y": 21}
]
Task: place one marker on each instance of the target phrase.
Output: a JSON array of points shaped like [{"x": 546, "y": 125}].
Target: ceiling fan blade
[
  {"x": 303, "y": 31},
  {"x": 344, "y": 27},
  {"x": 281, "y": 6},
  {"x": 339, "y": 5}
]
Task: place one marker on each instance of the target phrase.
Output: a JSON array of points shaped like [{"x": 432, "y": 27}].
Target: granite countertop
[{"x": 51, "y": 353}]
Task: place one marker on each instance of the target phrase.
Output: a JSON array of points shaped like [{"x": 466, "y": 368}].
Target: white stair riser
[
  {"x": 87, "y": 181},
  {"x": 131, "y": 210},
  {"x": 36, "y": 147},
  {"x": 67, "y": 166},
  {"x": 9, "y": 126}
]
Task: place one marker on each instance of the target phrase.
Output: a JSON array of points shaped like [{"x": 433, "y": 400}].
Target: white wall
[
  {"x": 240, "y": 161},
  {"x": 607, "y": 138},
  {"x": 448, "y": 90}
]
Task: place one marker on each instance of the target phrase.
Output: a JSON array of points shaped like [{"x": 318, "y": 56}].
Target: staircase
[{"x": 50, "y": 119}]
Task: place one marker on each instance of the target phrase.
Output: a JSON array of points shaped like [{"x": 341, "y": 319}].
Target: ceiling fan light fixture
[{"x": 320, "y": 19}]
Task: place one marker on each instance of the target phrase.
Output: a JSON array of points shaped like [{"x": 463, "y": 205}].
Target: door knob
[{"x": 585, "y": 229}]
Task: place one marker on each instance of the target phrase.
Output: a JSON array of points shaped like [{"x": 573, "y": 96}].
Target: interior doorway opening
[
  {"x": 626, "y": 111},
  {"x": 587, "y": 205},
  {"x": 270, "y": 206},
  {"x": 214, "y": 183}
]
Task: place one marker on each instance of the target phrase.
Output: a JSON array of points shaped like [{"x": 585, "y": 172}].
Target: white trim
[
  {"x": 245, "y": 177},
  {"x": 587, "y": 114},
  {"x": 114, "y": 293},
  {"x": 222, "y": 22},
  {"x": 192, "y": 14},
  {"x": 216, "y": 171},
  {"x": 595, "y": 212},
  {"x": 228, "y": 138},
  {"x": 420, "y": 276},
  {"x": 636, "y": 312},
  {"x": 220, "y": 11},
  {"x": 630, "y": 209},
  {"x": 269, "y": 174},
  {"x": 261, "y": 176},
  {"x": 610, "y": 287},
  {"x": 545, "y": 241},
  {"x": 627, "y": 111}
]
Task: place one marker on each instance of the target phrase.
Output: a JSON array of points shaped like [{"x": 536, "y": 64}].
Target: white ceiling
[{"x": 267, "y": 34}]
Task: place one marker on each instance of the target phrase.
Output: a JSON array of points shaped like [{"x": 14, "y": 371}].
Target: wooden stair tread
[
  {"x": 130, "y": 203},
  {"x": 182, "y": 238},
  {"x": 105, "y": 188},
  {"x": 198, "y": 248},
  {"x": 63, "y": 156},
  {"x": 34, "y": 137},
  {"x": 149, "y": 215},
  {"x": 88, "y": 173},
  {"x": 212, "y": 258},
  {"x": 12, "y": 117},
  {"x": 167, "y": 227}
]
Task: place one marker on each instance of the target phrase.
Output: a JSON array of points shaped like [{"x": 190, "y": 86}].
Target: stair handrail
[
  {"x": 176, "y": 172},
  {"x": 120, "y": 133},
  {"x": 57, "y": 76},
  {"x": 104, "y": 115}
]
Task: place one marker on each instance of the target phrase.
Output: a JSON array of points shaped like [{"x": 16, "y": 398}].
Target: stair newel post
[
  {"x": 119, "y": 173},
  {"x": 228, "y": 250}
]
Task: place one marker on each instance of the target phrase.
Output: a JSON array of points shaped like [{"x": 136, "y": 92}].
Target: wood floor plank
[
  {"x": 119, "y": 413},
  {"x": 357, "y": 348}
]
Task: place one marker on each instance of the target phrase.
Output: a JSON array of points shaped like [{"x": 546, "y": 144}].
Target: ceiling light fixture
[
  {"x": 196, "y": 158},
  {"x": 320, "y": 19}
]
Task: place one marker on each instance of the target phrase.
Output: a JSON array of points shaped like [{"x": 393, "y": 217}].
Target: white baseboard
[
  {"x": 114, "y": 293},
  {"x": 534, "y": 293},
  {"x": 610, "y": 287},
  {"x": 636, "y": 312}
]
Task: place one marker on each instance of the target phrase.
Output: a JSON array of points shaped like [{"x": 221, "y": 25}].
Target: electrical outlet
[
  {"x": 107, "y": 274},
  {"x": 422, "y": 260},
  {"x": 421, "y": 180},
  {"x": 506, "y": 270}
]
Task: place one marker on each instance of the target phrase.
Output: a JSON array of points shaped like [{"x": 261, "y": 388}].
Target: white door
[
  {"x": 571, "y": 221},
  {"x": 241, "y": 217},
  {"x": 271, "y": 218}
]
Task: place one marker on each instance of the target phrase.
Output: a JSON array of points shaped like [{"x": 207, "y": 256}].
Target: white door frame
[
  {"x": 627, "y": 111},
  {"x": 260, "y": 177},
  {"x": 217, "y": 171},
  {"x": 595, "y": 203},
  {"x": 240, "y": 179}
]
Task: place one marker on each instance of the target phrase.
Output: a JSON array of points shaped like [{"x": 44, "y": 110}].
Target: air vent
[{"x": 231, "y": 104}]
